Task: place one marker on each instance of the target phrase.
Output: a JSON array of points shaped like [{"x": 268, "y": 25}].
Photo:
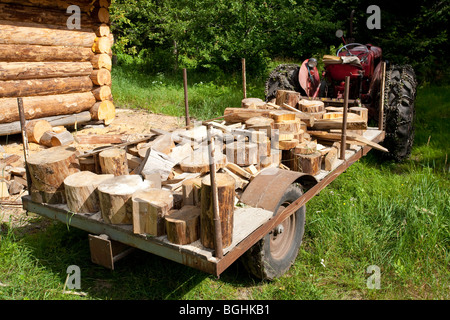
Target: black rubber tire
[
  {"x": 261, "y": 260},
  {"x": 283, "y": 77},
  {"x": 399, "y": 112}
]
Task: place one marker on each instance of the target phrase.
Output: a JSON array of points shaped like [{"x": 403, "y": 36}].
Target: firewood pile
[{"x": 161, "y": 185}]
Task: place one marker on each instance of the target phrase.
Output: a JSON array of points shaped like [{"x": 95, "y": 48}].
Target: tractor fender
[{"x": 267, "y": 188}]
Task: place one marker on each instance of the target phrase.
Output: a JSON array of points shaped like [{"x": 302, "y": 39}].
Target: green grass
[{"x": 394, "y": 216}]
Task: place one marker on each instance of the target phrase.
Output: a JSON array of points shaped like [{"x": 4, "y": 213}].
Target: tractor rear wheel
[
  {"x": 274, "y": 254},
  {"x": 400, "y": 94},
  {"x": 283, "y": 77}
]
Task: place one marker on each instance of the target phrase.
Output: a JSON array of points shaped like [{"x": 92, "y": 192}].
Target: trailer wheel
[
  {"x": 274, "y": 254},
  {"x": 400, "y": 94},
  {"x": 283, "y": 77}
]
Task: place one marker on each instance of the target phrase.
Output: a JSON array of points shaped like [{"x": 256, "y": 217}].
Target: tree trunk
[
  {"x": 149, "y": 209},
  {"x": 81, "y": 191},
  {"x": 102, "y": 93},
  {"x": 44, "y": 87},
  {"x": 41, "y": 70},
  {"x": 114, "y": 161},
  {"x": 37, "y": 53},
  {"x": 46, "y": 106},
  {"x": 102, "y": 60},
  {"x": 183, "y": 226},
  {"x": 226, "y": 195},
  {"x": 48, "y": 169},
  {"x": 101, "y": 45}
]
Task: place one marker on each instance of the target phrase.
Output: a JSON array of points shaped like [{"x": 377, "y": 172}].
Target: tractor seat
[
  {"x": 340, "y": 67},
  {"x": 352, "y": 60}
]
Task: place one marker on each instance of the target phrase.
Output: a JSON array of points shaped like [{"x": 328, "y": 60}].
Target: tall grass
[{"x": 394, "y": 216}]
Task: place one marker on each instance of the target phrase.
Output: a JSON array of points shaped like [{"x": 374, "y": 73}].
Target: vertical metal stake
[
  {"x": 212, "y": 170},
  {"x": 244, "y": 78},
  {"x": 24, "y": 141},
  {"x": 186, "y": 100},
  {"x": 344, "y": 121},
  {"x": 381, "y": 106}
]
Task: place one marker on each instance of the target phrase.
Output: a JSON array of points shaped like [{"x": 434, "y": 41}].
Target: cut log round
[
  {"x": 287, "y": 144},
  {"x": 308, "y": 163},
  {"x": 149, "y": 210},
  {"x": 35, "y": 129},
  {"x": 306, "y": 147},
  {"x": 114, "y": 161},
  {"x": 281, "y": 115},
  {"x": 115, "y": 198},
  {"x": 311, "y": 106},
  {"x": 198, "y": 161},
  {"x": 104, "y": 111},
  {"x": 102, "y": 60},
  {"x": 288, "y": 125},
  {"x": 46, "y": 106},
  {"x": 242, "y": 153},
  {"x": 35, "y": 53},
  {"x": 226, "y": 195},
  {"x": 183, "y": 226},
  {"x": 103, "y": 30},
  {"x": 101, "y": 15},
  {"x": 102, "y": 93},
  {"x": 81, "y": 191},
  {"x": 101, "y": 45},
  {"x": 291, "y": 98},
  {"x": 48, "y": 169},
  {"x": 252, "y": 103},
  {"x": 101, "y": 77}
]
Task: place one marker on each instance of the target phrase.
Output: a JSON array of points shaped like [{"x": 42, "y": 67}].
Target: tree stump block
[
  {"x": 114, "y": 161},
  {"x": 115, "y": 197},
  {"x": 48, "y": 169},
  {"x": 226, "y": 194},
  {"x": 35, "y": 129},
  {"x": 149, "y": 209},
  {"x": 81, "y": 191},
  {"x": 291, "y": 98},
  {"x": 198, "y": 161},
  {"x": 242, "y": 153},
  {"x": 307, "y": 163},
  {"x": 183, "y": 226},
  {"x": 191, "y": 191}
]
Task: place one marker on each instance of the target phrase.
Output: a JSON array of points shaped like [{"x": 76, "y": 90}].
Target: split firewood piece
[
  {"x": 64, "y": 138},
  {"x": 328, "y": 124},
  {"x": 163, "y": 143},
  {"x": 242, "y": 153},
  {"x": 183, "y": 226},
  {"x": 252, "y": 103},
  {"x": 306, "y": 147},
  {"x": 149, "y": 210},
  {"x": 100, "y": 138},
  {"x": 191, "y": 191},
  {"x": 252, "y": 170},
  {"x": 15, "y": 187},
  {"x": 354, "y": 138},
  {"x": 240, "y": 183},
  {"x": 306, "y": 118},
  {"x": 282, "y": 115},
  {"x": 236, "y": 115},
  {"x": 239, "y": 171},
  {"x": 289, "y": 125},
  {"x": 115, "y": 197},
  {"x": 133, "y": 161},
  {"x": 59, "y": 129},
  {"x": 311, "y": 106},
  {"x": 226, "y": 196},
  {"x": 81, "y": 191},
  {"x": 4, "y": 193},
  {"x": 180, "y": 152},
  {"x": 307, "y": 163},
  {"x": 156, "y": 163},
  {"x": 361, "y": 111},
  {"x": 113, "y": 161},
  {"x": 35, "y": 129},
  {"x": 332, "y": 157},
  {"x": 48, "y": 169},
  {"x": 291, "y": 98}
]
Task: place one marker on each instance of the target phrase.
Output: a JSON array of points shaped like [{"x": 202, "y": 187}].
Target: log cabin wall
[{"x": 59, "y": 72}]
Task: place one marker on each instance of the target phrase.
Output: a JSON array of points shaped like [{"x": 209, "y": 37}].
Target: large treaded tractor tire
[
  {"x": 283, "y": 77},
  {"x": 399, "y": 112},
  {"x": 274, "y": 254}
]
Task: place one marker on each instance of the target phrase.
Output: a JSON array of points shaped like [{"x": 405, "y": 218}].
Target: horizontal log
[
  {"x": 64, "y": 120},
  {"x": 32, "y": 14},
  {"x": 102, "y": 60},
  {"x": 42, "y": 70},
  {"x": 38, "y": 53},
  {"x": 102, "y": 93},
  {"x": 44, "y": 87},
  {"x": 46, "y": 106},
  {"x": 85, "y": 5},
  {"x": 101, "y": 77},
  {"x": 102, "y": 45},
  {"x": 32, "y": 33}
]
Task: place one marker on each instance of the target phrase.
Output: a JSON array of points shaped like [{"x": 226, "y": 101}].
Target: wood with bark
[
  {"x": 306, "y": 147},
  {"x": 328, "y": 124},
  {"x": 63, "y": 138},
  {"x": 101, "y": 77},
  {"x": 102, "y": 60},
  {"x": 287, "y": 144},
  {"x": 35, "y": 129},
  {"x": 236, "y": 115},
  {"x": 163, "y": 143},
  {"x": 44, "y": 87},
  {"x": 350, "y": 137},
  {"x": 311, "y": 106},
  {"x": 102, "y": 93},
  {"x": 291, "y": 98},
  {"x": 198, "y": 161},
  {"x": 48, "y": 169},
  {"x": 289, "y": 125},
  {"x": 46, "y": 138},
  {"x": 191, "y": 191},
  {"x": 101, "y": 45},
  {"x": 361, "y": 111},
  {"x": 81, "y": 191},
  {"x": 85, "y": 5},
  {"x": 104, "y": 111},
  {"x": 282, "y": 115},
  {"x": 183, "y": 226},
  {"x": 242, "y": 153},
  {"x": 41, "y": 70},
  {"x": 103, "y": 30},
  {"x": 45, "y": 106},
  {"x": 101, "y": 15},
  {"x": 114, "y": 161},
  {"x": 332, "y": 157},
  {"x": 115, "y": 197},
  {"x": 252, "y": 103},
  {"x": 149, "y": 210},
  {"x": 43, "y": 53},
  {"x": 307, "y": 163},
  {"x": 226, "y": 195},
  {"x": 99, "y": 138},
  {"x": 36, "y": 34}
]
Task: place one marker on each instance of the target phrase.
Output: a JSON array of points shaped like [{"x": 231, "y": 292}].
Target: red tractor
[{"x": 362, "y": 64}]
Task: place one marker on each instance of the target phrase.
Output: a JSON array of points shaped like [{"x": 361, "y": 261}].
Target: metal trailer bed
[{"x": 251, "y": 224}]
